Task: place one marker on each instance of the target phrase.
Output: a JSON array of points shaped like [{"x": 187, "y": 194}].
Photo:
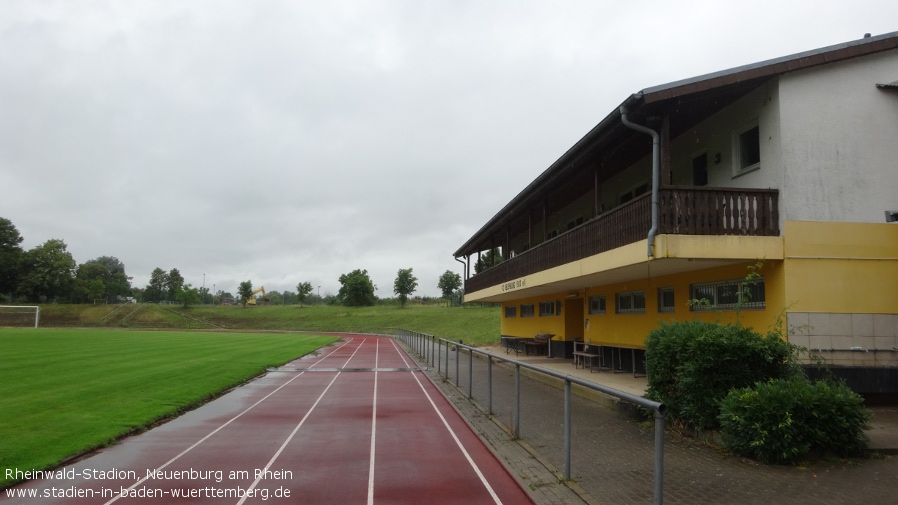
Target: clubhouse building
[{"x": 767, "y": 191}]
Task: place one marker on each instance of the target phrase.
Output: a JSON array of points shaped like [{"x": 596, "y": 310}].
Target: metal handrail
[{"x": 430, "y": 348}]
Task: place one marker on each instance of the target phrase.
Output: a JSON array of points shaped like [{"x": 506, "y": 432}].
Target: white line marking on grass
[
  {"x": 373, "y": 426},
  {"x": 229, "y": 421},
  {"x": 452, "y": 432},
  {"x": 277, "y": 454}
]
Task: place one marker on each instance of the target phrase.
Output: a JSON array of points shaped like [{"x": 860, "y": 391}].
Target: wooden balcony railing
[{"x": 683, "y": 211}]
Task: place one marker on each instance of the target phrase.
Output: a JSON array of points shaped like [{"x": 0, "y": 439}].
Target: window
[
  {"x": 546, "y": 308},
  {"x": 527, "y": 310},
  {"x": 597, "y": 304},
  {"x": 511, "y": 311},
  {"x": 632, "y": 302},
  {"x": 666, "y": 300},
  {"x": 727, "y": 295},
  {"x": 748, "y": 149}
]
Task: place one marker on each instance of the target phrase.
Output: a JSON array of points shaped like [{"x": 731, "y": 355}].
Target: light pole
[{"x": 204, "y": 289}]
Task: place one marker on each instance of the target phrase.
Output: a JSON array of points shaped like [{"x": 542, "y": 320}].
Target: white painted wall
[
  {"x": 716, "y": 135},
  {"x": 839, "y": 141}
]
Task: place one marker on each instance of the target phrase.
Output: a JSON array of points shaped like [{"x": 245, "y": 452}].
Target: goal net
[{"x": 19, "y": 315}]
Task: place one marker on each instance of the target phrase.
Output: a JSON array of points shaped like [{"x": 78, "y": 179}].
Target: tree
[
  {"x": 448, "y": 283},
  {"x": 187, "y": 295},
  {"x": 356, "y": 289},
  {"x": 117, "y": 281},
  {"x": 302, "y": 291},
  {"x": 245, "y": 291},
  {"x": 48, "y": 272},
  {"x": 10, "y": 256},
  {"x": 173, "y": 283},
  {"x": 156, "y": 288},
  {"x": 90, "y": 282},
  {"x": 488, "y": 260},
  {"x": 404, "y": 285},
  {"x": 204, "y": 295}
]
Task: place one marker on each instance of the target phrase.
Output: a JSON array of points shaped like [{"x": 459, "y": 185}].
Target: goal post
[{"x": 20, "y": 315}]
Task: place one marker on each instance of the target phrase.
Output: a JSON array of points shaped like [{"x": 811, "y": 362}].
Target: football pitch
[{"x": 67, "y": 391}]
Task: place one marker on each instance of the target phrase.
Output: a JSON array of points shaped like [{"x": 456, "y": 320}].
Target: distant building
[{"x": 790, "y": 163}]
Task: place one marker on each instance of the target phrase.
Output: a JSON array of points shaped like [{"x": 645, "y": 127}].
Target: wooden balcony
[{"x": 683, "y": 211}]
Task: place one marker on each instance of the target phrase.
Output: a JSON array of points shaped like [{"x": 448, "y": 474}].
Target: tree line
[{"x": 48, "y": 273}]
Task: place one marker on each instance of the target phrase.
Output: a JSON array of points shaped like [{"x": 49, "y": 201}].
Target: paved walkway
[{"x": 612, "y": 456}]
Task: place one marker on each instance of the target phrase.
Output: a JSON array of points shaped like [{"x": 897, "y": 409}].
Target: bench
[{"x": 583, "y": 356}]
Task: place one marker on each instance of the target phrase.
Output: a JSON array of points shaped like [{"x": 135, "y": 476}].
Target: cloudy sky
[{"x": 281, "y": 141}]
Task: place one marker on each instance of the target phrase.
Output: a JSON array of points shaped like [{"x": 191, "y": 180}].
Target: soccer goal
[{"x": 20, "y": 315}]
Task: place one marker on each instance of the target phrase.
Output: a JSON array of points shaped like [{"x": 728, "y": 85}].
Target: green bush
[
  {"x": 782, "y": 421},
  {"x": 692, "y": 366}
]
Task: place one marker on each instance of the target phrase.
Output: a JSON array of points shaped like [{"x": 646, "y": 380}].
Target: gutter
[{"x": 656, "y": 167}]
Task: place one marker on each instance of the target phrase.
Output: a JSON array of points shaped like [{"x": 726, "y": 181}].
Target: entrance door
[{"x": 573, "y": 325}]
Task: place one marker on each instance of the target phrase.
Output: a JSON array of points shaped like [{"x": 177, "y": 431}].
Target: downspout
[
  {"x": 656, "y": 172},
  {"x": 464, "y": 267}
]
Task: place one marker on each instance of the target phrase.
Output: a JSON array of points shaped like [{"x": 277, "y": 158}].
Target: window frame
[
  {"x": 666, "y": 309},
  {"x": 546, "y": 309},
  {"x": 601, "y": 309},
  {"x": 527, "y": 310},
  {"x": 633, "y": 296},
  {"x": 511, "y": 311},
  {"x": 726, "y": 289},
  {"x": 739, "y": 149}
]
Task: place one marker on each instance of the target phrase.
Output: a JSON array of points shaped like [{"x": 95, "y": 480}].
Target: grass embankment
[
  {"x": 475, "y": 325},
  {"x": 68, "y": 391}
]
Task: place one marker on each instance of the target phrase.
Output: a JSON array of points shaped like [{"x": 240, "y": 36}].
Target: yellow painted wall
[
  {"x": 631, "y": 329},
  {"x": 842, "y": 267},
  {"x": 530, "y": 326}
]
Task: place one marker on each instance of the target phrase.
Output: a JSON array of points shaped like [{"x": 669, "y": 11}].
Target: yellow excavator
[{"x": 252, "y": 297}]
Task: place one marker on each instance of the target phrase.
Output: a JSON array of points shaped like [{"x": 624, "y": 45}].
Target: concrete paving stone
[{"x": 612, "y": 451}]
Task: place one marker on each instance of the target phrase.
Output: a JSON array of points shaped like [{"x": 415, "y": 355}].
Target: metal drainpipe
[
  {"x": 464, "y": 267},
  {"x": 656, "y": 171}
]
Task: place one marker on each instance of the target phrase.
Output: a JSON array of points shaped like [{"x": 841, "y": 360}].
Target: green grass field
[
  {"x": 475, "y": 325},
  {"x": 66, "y": 391}
]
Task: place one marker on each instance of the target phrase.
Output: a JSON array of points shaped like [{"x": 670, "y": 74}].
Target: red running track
[{"x": 358, "y": 424}]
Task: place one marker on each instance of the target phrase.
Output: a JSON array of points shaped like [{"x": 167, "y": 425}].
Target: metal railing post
[
  {"x": 470, "y": 373},
  {"x": 567, "y": 430},
  {"x": 489, "y": 384},
  {"x": 659, "y": 457},
  {"x": 457, "y": 360},
  {"x": 517, "y": 400}
]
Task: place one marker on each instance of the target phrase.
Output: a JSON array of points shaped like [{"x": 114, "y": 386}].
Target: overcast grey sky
[{"x": 281, "y": 141}]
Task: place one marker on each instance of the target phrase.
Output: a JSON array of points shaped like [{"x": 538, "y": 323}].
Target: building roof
[{"x": 696, "y": 98}]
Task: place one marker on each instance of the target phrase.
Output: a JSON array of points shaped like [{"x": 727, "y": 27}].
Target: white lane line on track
[
  {"x": 451, "y": 431},
  {"x": 277, "y": 454},
  {"x": 229, "y": 421},
  {"x": 373, "y": 426}
]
